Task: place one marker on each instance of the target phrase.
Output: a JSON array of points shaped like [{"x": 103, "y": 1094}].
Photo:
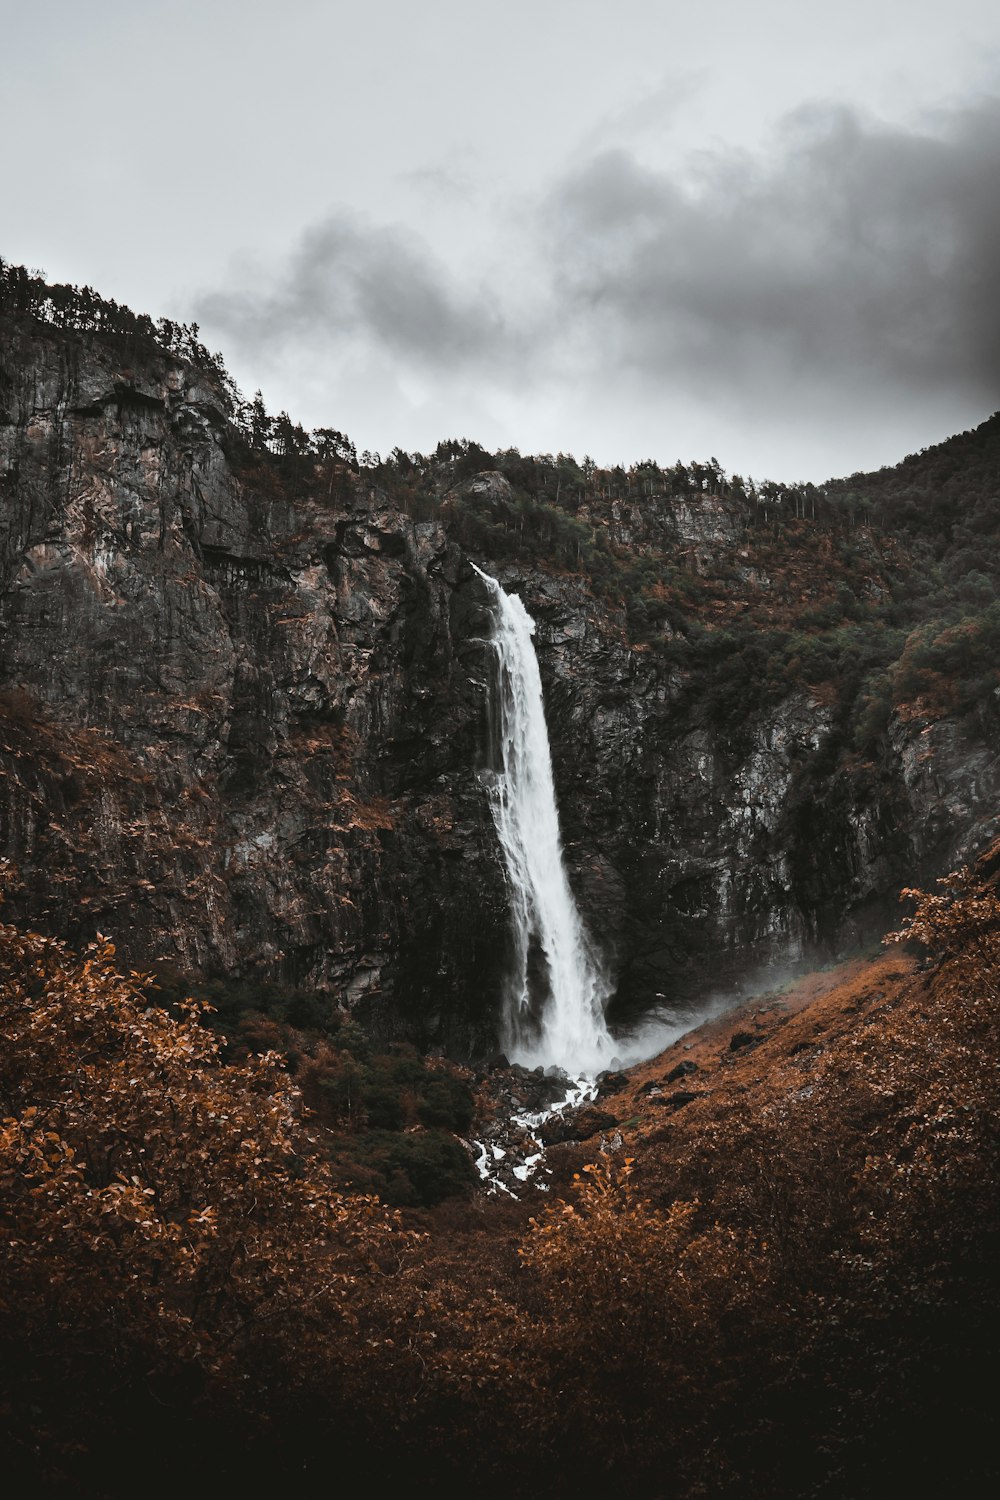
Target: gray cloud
[
  {"x": 651, "y": 114},
  {"x": 858, "y": 253},
  {"x": 348, "y": 282},
  {"x": 837, "y": 292},
  {"x": 442, "y": 183}
]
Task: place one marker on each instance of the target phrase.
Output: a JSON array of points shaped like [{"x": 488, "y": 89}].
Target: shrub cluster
[
  {"x": 389, "y": 1118},
  {"x": 765, "y": 1305},
  {"x": 170, "y": 1233}
]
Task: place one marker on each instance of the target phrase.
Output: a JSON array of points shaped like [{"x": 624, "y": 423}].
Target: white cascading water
[{"x": 557, "y": 992}]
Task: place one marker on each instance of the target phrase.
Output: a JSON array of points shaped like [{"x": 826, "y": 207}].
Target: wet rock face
[{"x": 243, "y": 732}]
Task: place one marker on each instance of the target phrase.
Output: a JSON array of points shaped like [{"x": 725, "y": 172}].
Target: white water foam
[{"x": 557, "y": 991}]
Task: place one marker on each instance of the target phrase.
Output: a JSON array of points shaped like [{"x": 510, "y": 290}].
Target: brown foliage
[
  {"x": 771, "y": 1298},
  {"x": 961, "y": 927},
  {"x": 765, "y": 1300},
  {"x": 161, "y": 1213},
  {"x": 636, "y": 1307}
]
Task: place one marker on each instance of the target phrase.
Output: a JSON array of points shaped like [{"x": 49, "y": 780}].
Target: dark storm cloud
[
  {"x": 347, "y": 281},
  {"x": 857, "y": 254},
  {"x": 849, "y": 275}
]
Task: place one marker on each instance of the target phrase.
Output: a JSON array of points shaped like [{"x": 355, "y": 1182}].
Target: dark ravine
[{"x": 241, "y": 723}]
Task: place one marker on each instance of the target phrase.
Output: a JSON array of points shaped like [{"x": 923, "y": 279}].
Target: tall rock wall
[
  {"x": 705, "y": 855},
  {"x": 242, "y": 731},
  {"x": 239, "y": 733}
]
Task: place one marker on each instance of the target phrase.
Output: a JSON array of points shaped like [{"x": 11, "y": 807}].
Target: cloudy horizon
[{"x": 624, "y": 230}]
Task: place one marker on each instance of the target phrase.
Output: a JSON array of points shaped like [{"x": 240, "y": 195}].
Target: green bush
[
  {"x": 957, "y": 663},
  {"x": 387, "y": 1114},
  {"x": 382, "y": 1101},
  {"x": 413, "y": 1170},
  {"x": 447, "y": 1103}
]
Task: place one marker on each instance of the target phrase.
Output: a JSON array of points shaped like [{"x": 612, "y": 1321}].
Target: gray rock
[{"x": 681, "y": 1071}]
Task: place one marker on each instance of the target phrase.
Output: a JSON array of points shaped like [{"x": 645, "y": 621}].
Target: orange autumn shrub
[{"x": 163, "y": 1221}]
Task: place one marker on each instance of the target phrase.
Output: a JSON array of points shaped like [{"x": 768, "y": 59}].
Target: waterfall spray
[{"x": 554, "y": 1010}]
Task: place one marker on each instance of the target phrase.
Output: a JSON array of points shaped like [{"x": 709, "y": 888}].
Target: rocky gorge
[{"x": 244, "y": 715}]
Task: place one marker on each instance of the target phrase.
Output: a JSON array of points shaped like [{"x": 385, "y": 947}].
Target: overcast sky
[{"x": 765, "y": 230}]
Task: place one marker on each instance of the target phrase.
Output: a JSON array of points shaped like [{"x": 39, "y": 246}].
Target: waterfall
[{"x": 554, "y": 1007}]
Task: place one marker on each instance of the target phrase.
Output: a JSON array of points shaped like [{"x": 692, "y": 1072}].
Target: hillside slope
[
  {"x": 772, "y": 1274},
  {"x": 772, "y": 1269}
]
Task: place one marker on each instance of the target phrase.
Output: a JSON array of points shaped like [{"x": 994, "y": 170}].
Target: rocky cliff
[
  {"x": 240, "y": 730},
  {"x": 706, "y": 852},
  {"x": 243, "y": 718}
]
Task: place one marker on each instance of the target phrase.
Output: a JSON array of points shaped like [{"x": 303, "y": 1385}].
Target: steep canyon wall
[{"x": 242, "y": 720}]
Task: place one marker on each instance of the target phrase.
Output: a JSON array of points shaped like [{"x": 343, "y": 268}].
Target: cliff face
[
  {"x": 705, "y": 853},
  {"x": 240, "y": 733},
  {"x": 241, "y": 726}
]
